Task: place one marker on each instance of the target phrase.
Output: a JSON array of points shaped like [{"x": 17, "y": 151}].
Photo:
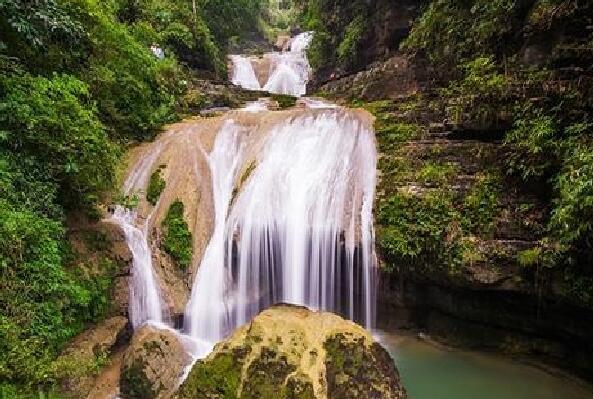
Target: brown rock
[
  {"x": 153, "y": 365},
  {"x": 87, "y": 350}
]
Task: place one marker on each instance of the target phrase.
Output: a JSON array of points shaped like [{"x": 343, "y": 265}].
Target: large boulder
[
  {"x": 293, "y": 353},
  {"x": 153, "y": 364},
  {"x": 91, "y": 348}
]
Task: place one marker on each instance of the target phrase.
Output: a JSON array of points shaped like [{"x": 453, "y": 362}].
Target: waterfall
[
  {"x": 299, "y": 230},
  {"x": 292, "y": 200},
  {"x": 145, "y": 299},
  {"x": 300, "y": 42},
  {"x": 207, "y": 311},
  {"x": 243, "y": 73},
  {"x": 145, "y": 296},
  {"x": 290, "y": 70}
]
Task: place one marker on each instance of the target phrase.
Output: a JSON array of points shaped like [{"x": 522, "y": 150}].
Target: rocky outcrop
[
  {"x": 153, "y": 364},
  {"x": 496, "y": 296},
  {"x": 396, "y": 77},
  {"x": 89, "y": 349},
  {"x": 291, "y": 352}
]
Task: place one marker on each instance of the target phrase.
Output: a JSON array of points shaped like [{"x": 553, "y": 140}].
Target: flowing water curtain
[
  {"x": 289, "y": 70},
  {"x": 207, "y": 314},
  {"x": 299, "y": 231},
  {"x": 312, "y": 188}
]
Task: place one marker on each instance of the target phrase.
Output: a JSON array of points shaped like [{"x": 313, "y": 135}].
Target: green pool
[{"x": 430, "y": 371}]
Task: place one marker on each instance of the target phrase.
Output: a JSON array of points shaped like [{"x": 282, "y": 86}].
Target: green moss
[
  {"x": 356, "y": 371},
  {"x": 155, "y": 186},
  {"x": 529, "y": 257},
  {"x": 284, "y": 100},
  {"x": 134, "y": 383},
  {"x": 217, "y": 378},
  {"x": 298, "y": 387},
  {"x": 266, "y": 376},
  {"x": 437, "y": 173},
  {"x": 177, "y": 239}
]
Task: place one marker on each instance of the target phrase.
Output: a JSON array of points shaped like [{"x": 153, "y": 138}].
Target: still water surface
[{"x": 430, "y": 371}]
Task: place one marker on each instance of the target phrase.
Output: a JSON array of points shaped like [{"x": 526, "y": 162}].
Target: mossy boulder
[
  {"x": 153, "y": 365},
  {"x": 290, "y": 352}
]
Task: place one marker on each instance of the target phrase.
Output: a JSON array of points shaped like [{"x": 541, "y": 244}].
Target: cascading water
[
  {"x": 145, "y": 297},
  {"x": 290, "y": 70},
  {"x": 288, "y": 227},
  {"x": 207, "y": 310},
  {"x": 292, "y": 208},
  {"x": 243, "y": 73},
  {"x": 145, "y": 304},
  {"x": 299, "y": 230}
]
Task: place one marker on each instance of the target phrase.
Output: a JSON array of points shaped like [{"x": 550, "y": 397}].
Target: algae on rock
[{"x": 290, "y": 352}]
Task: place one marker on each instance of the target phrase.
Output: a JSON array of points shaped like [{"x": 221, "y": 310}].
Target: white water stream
[
  {"x": 146, "y": 304},
  {"x": 243, "y": 73},
  {"x": 300, "y": 230}
]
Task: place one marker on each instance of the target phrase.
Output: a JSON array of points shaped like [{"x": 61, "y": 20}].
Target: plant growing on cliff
[
  {"x": 156, "y": 185},
  {"x": 177, "y": 239},
  {"x": 534, "y": 148},
  {"x": 481, "y": 204},
  {"x": 453, "y": 31},
  {"x": 419, "y": 230}
]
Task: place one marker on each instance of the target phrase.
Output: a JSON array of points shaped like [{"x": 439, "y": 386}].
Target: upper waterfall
[{"x": 287, "y": 72}]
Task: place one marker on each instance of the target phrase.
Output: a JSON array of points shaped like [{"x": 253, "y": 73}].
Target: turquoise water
[{"x": 431, "y": 371}]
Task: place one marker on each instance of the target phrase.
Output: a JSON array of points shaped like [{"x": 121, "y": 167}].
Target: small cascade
[
  {"x": 290, "y": 69},
  {"x": 145, "y": 299},
  {"x": 299, "y": 230},
  {"x": 300, "y": 42},
  {"x": 146, "y": 303},
  {"x": 243, "y": 73}
]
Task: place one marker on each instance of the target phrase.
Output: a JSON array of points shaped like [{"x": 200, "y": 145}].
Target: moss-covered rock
[
  {"x": 153, "y": 365},
  {"x": 356, "y": 370},
  {"x": 289, "y": 352}
]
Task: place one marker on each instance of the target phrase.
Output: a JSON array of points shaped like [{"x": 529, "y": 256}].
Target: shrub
[
  {"x": 177, "y": 240},
  {"x": 533, "y": 144},
  {"x": 572, "y": 218},
  {"x": 156, "y": 186}
]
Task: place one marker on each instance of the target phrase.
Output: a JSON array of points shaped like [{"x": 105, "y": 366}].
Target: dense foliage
[
  {"x": 78, "y": 79},
  {"x": 340, "y": 28}
]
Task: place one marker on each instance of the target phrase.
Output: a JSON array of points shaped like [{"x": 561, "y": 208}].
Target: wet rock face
[
  {"x": 290, "y": 352},
  {"x": 152, "y": 365}
]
